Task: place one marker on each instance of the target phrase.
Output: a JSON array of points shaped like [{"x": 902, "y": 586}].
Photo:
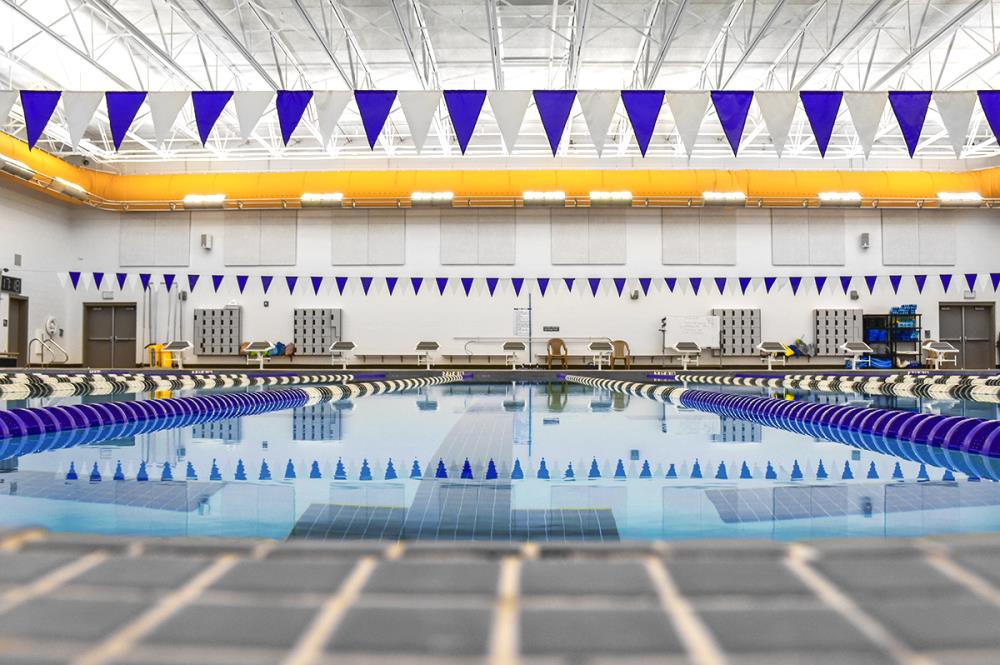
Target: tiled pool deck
[{"x": 90, "y": 600}]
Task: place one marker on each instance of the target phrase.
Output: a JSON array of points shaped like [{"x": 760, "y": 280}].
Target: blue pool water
[{"x": 618, "y": 467}]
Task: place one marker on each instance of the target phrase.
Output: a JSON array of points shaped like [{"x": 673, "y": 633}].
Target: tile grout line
[
  {"x": 694, "y": 635},
  {"x": 119, "y": 642},
  {"x": 51, "y": 581},
  {"x": 310, "y": 644},
  {"x": 504, "y": 638},
  {"x": 798, "y": 562}
]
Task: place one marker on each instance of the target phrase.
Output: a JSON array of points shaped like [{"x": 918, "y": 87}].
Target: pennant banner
[
  {"x": 38, "y": 106},
  {"x": 554, "y": 107},
  {"x": 688, "y": 109},
  {"x": 866, "y": 109},
  {"x": 164, "y": 107},
  {"x": 911, "y": 111},
  {"x": 122, "y": 109},
  {"x": 291, "y": 105},
  {"x": 79, "y": 108},
  {"x": 250, "y": 107},
  {"x": 598, "y": 108},
  {"x": 509, "y": 107},
  {"x": 821, "y": 107},
  {"x": 732, "y": 108},
  {"x": 374, "y": 107},
  {"x": 208, "y": 106},
  {"x": 777, "y": 109},
  {"x": 464, "y": 107},
  {"x": 643, "y": 108},
  {"x": 330, "y": 105},
  {"x": 419, "y": 108},
  {"x": 956, "y": 110}
]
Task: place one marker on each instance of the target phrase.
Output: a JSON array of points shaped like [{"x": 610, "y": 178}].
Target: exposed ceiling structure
[{"x": 498, "y": 44}]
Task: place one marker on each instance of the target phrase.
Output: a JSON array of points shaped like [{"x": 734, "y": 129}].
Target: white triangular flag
[
  {"x": 777, "y": 109},
  {"x": 164, "y": 107},
  {"x": 508, "y": 109},
  {"x": 7, "y": 99},
  {"x": 866, "y": 113},
  {"x": 79, "y": 107},
  {"x": 688, "y": 109},
  {"x": 419, "y": 107},
  {"x": 250, "y": 108},
  {"x": 599, "y": 108},
  {"x": 330, "y": 105},
  {"x": 956, "y": 112}
]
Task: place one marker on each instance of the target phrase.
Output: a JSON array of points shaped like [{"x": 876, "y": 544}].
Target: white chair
[
  {"x": 689, "y": 352},
  {"x": 602, "y": 352},
  {"x": 258, "y": 351},
  {"x": 855, "y": 350},
  {"x": 942, "y": 353},
  {"x": 176, "y": 350},
  {"x": 341, "y": 350},
  {"x": 772, "y": 352},
  {"x": 510, "y": 352},
  {"x": 424, "y": 350}
]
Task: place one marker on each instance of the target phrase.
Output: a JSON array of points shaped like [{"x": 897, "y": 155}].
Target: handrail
[{"x": 47, "y": 343}]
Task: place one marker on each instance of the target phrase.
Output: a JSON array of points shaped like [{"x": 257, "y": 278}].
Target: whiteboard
[{"x": 702, "y": 330}]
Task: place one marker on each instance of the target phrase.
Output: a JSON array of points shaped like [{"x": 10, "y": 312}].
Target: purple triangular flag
[
  {"x": 920, "y": 280},
  {"x": 821, "y": 107},
  {"x": 595, "y": 284},
  {"x": 366, "y": 283},
  {"x": 845, "y": 282},
  {"x": 619, "y": 285},
  {"x": 671, "y": 282},
  {"x": 644, "y": 283},
  {"x": 820, "y": 283},
  {"x": 732, "y": 107},
  {"x": 543, "y": 284},
  {"x": 894, "y": 281},
  {"x": 910, "y": 108},
  {"x": 317, "y": 281},
  {"x": 121, "y": 277},
  {"x": 192, "y": 282},
  {"x": 970, "y": 279},
  {"x": 341, "y": 284},
  {"x": 442, "y": 284},
  {"x": 554, "y": 107},
  {"x": 265, "y": 282},
  {"x": 416, "y": 283},
  {"x": 216, "y": 282},
  {"x": 768, "y": 283},
  {"x": 241, "y": 282},
  {"x": 990, "y": 101},
  {"x": 695, "y": 284},
  {"x": 208, "y": 106},
  {"x": 745, "y": 283},
  {"x": 945, "y": 282},
  {"x": 995, "y": 278},
  {"x": 122, "y": 108},
  {"x": 74, "y": 278},
  {"x": 491, "y": 284},
  {"x": 463, "y": 109},
  {"x": 568, "y": 281},
  {"x": 720, "y": 284},
  {"x": 168, "y": 281},
  {"x": 98, "y": 280},
  {"x": 390, "y": 284},
  {"x": 870, "y": 281},
  {"x": 517, "y": 283},
  {"x": 144, "y": 278},
  {"x": 291, "y": 104},
  {"x": 643, "y": 108},
  {"x": 467, "y": 285},
  {"x": 374, "y": 107},
  {"x": 291, "y": 281},
  {"x": 37, "y": 106},
  {"x": 794, "y": 283}
]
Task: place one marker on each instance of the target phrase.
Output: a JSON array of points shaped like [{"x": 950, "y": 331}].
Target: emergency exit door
[
  {"x": 970, "y": 328},
  {"x": 109, "y": 335}
]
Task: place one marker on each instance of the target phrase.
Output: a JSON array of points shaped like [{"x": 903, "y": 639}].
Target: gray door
[
  {"x": 109, "y": 335},
  {"x": 17, "y": 330},
  {"x": 969, "y": 327}
]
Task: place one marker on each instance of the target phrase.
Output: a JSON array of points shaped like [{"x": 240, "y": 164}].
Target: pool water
[{"x": 547, "y": 461}]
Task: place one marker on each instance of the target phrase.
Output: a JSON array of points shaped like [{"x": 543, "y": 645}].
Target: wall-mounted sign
[
  {"x": 10, "y": 284},
  {"x": 550, "y": 328}
]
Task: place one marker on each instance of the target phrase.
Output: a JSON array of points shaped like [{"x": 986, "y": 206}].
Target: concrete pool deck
[{"x": 88, "y": 599}]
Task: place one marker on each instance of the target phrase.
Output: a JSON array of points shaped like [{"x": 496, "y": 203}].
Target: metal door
[
  {"x": 17, "y": 330},
  {"x": 970, "y": 328},
  {"x": 98, "y": 335},
  {"x": 123, "y": 354}
]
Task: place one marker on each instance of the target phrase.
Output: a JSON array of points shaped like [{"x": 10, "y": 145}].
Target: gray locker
[
  {"x": 318, "y": 422},
  {"x": 218, "y": 332},
  {"x": 227, "y": 431},
  {"x": 734, "y": 430},
  {"x": 833, "y": 327},
  {"x": 316, "y": 329},
  {"x": 740, "y": 331}
]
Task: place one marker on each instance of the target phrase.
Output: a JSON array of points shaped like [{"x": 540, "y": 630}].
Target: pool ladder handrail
[{"x": 53, "y": 347}]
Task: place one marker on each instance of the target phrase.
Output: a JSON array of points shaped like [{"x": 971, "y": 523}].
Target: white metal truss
[{"x": 517, "y": 44}]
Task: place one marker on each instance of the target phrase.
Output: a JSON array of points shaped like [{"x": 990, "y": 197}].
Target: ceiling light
[
  {"x": 203, "y": 201},
  {"x": 431, "y": 198},
  {"x": 544, "y": 198},
  {"x": 611, "y": 198},
  {"x": 724, "y": 198},
  {"x": 16, "y": 168},
  {"x": 70, "y": 189},
  {"x": 959, "y": 199},
  {"x": 842, "y": 199},
  {"x": 328, "y": 200}
]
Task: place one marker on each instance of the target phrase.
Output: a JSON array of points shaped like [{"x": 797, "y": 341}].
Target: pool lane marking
[
  {"x": 14, "y": 541},
  {"x": 693, "y": 633},
  {"x": 798, "y": 560},
  {"x": 311, "y": 643},
  {"x": 504, "y": 634},
  {"x": 125, "y": 638},
  {"x": 50, "y": 581},
  {"x": 938, "y": 557}
]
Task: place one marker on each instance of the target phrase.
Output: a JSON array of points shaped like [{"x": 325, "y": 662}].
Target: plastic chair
[
  {"x": 620, "y": 351},
  {"x": 556, "y": 351}
]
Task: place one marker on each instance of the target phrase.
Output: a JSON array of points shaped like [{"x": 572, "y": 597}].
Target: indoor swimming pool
[{"x": 462, "y": 460}]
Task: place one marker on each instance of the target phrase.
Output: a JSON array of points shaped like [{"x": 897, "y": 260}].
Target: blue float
[
  {"x": 190, "y": 472},
  {"x": 569, "y": 473},
  {"x": 289, "y": 470},
  {"x": 543, "y": 470},
  {"x": 340, "y": 473},
  {"x": 745, "y": 472},
  {"x": 620, "y": 471},
  {"x": 71, "y": 474},
  {"x": 491, "y": 470},
  {"x": 594, "y": 471},
  {"x": 695, "y": 470},
  {"x": 95, "y": 474},
  {"x": 796, "y": 471},
  {"x": 872, "y": 472},
  {"x": 390, "y": 471},
  {"x": 646, "y": 472},
  {"x": 517, "y": 473},
  {"x": 215, "y": 474},
  {"x": 415, "y": 470},
  {"x": 143, "y": 475},
  {"x": 366, "y": 473},
  {"x": 720, "y": 473},
  {"x": 671, "y": 472},
  {"x": 847, "y": 474},
  {"x": 770, "y": 473},
  {"x": 897, "y": 472},
  {"x": 466, "y": 470},
  {"x": 441, "y": 471},
  {"x": 119, "y": 474},
  {"x": 265, "y": 471},
  {"x": 241, "y": 471},
  {"x": 314, "y": 472},
  {"x": 166, "y": 474},
  {"x": 821, "y": 473}
]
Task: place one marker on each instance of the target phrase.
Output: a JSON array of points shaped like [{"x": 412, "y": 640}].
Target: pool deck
[{"x": 89, "y": 599}]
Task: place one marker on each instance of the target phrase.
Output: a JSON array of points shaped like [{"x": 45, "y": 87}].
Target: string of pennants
[
  {"x": 543, "y": 285},
  {"x": 642, "y": 108}
]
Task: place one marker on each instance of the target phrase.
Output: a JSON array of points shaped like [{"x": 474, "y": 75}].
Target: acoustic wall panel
[
  {"x": 918, "y": 237},
  {"x": 154, "y": 239},
  {"x": 241, "y": 238},
  {"x": 386, "y": 239},
  {"x": 349, "y": 239},
  {"x": 364, "y": 237},
  {"x": 260, "y": 238},
  {"x": 606, "y": 238},
  {"x": 699, "y": 237},
  {"x": 807, "y": 237},
  {"x": 936, "y": 229},
  {"x": 497, "y": 237},
  {"x": 459, "y": 239},
  {"x": 588, "y": 237},
  {"x": 717, "y": 239},
  {"x": 827, "y": 238},
  {"x": 278, "y": 238}
]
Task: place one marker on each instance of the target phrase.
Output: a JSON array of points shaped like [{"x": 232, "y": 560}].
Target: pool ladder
[{"x": 50, "y": 345}]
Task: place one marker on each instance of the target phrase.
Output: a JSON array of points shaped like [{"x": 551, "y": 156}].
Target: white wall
[{"x": 54, "y": 238}]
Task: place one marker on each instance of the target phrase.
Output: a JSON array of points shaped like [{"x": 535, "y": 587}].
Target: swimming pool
[{"x": 513, "y": 461}]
